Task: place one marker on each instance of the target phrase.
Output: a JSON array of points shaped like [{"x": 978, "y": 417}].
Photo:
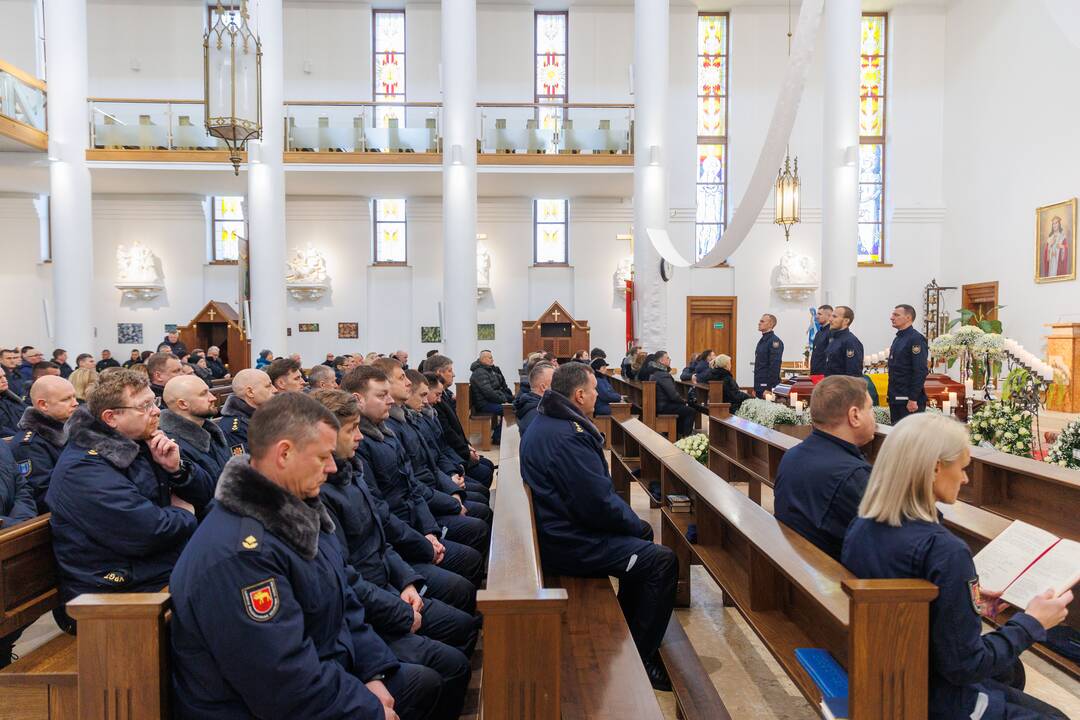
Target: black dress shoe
[{"x": 657, "y": 673}]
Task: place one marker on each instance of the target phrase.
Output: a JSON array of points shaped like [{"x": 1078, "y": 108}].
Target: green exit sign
[{"x": 718, "y": 326}]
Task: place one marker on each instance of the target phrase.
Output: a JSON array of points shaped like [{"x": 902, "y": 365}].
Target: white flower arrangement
[
  {"x": 991, "y": 344},
  {"x": 1005, "y": 427},
  {"x": 696, "y": 446},
  {"x": 1066, "y": 449},
  {"x": 968, "y": 334},
  {"x": 769, "y": 414}
]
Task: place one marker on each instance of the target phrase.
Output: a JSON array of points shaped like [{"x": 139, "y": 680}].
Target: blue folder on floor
[{"x": 830, "y": 678}]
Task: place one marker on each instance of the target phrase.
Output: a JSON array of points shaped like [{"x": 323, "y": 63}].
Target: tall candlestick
[{"x": 969, "y": 386}]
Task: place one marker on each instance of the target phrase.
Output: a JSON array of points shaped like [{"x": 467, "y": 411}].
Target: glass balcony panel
[
  {"x": 362, "y": 127},
  {"x": 21, "y": 101},
  {"x": 135, "y": 125},
  {"x": 545, "y": 129}
]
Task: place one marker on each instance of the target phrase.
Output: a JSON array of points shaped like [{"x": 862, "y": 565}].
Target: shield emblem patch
[
  {"x": 976, "y": 597},
  {"x": 261, "y": 600},
  {"x": 776, "y": 343},
  {"x": 916, "y": 349},
  {"x": 25, "y": 467},
  {"x": 237, "y": 449},
  {"x": 851, "y": 352}
]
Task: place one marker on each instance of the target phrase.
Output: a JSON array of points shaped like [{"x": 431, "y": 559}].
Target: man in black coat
[
  {"x": 768, "y": 356},
  {"x": 821, "y": 340},
  {"x": 668, "y": 400},
  {"x": 107, "y": 361},
  {"x": 251, "y": 389},
  {"x": 11, "y": 409},
  {"x": 844, "y": 352},
  {"x": 488, "y": 391},
  {"x": 214, "y": 364},
  {"x": 176, "y": 346},
  {"x": 478, "y": 468},
  {"x": 908, "y": 366},
  {"x": 60, "y": 359},
  {"x": 188, "y": 422},
  {"x": 525, "y": 404},
  {"x": 42, "y": 435},
  {"x": 162, "y": 367}
]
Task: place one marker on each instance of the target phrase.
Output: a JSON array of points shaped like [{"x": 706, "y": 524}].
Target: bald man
[
  {"x": 190, "y": 405},
  {"x": 251, "y": 388},
  {"x": 42, "y": 436}
]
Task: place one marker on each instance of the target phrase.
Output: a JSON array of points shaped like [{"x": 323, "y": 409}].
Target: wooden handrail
[{"x": 23, "y": 76}]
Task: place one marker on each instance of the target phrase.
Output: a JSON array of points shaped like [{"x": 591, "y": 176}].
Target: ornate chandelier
[
  {"x": 232, "y": 80},
  {"x": 787, "y": 179}
]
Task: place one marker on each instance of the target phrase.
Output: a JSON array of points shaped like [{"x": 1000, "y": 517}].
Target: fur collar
[
  {"x": 244, "y": 491},
  {"x": 377, "y": 433},
  {"x": 397, "y": 412},
  {"x": 237, "y": 406},
  {"x": 428, "y": 411},
  {"x": 86, "y": 431},
  {"x": 52, "y": 430},
  {"x": 201, "y": 437},
  {"x": 558, "y": 406}
]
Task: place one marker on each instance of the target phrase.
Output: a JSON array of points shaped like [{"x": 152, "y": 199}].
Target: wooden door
[
  {"x": 710, "y": 323},
  {"x": 981, "y": 298}
]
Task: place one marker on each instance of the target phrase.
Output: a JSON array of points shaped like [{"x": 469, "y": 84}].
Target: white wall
[
  {"x": 1011, "y": 144},
  {"x": 17, "y": 34},
  {"x": 27, "y": 282}
]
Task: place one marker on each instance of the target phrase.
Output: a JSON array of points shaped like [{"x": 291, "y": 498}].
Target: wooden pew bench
[
  {"x": 795, "y": 596},
  {"x": 629, "y": 464},
  {"x": 710, "y": 395},
  {"x": 120, "y": 655},
  {"x": 473, "y": 423}
]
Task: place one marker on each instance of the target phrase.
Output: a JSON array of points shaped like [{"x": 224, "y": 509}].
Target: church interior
[{"x": 709, "y": 207}]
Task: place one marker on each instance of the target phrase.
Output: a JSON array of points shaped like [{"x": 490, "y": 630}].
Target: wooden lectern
[
  {"x": 218, "y": 324},
  {"x": 1063, "y": 348},
  {"x": 555, "y": 332}
]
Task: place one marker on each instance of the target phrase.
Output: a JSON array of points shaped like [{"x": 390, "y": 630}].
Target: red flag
[{"x": 629, "y": 314}]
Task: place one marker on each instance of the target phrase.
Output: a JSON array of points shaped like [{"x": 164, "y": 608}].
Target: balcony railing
[
  {"x": 154, "y": 125},
  {"x": 549, "y": 129},
  {"x": 362, "y": 127},
  {"x": 22, "y": 106}
]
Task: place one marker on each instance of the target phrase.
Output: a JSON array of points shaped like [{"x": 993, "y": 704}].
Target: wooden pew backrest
[{"x": 28, "y": 583}]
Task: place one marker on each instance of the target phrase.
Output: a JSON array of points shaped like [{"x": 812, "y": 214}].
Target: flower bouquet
[
  {"x": 1066, "y": 449},
  {"x": 1005, "y": 427},
  {"x": 696, "y": 446}
]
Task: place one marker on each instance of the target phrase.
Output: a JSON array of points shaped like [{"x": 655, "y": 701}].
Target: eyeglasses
[{"x": 144, "y": 408}]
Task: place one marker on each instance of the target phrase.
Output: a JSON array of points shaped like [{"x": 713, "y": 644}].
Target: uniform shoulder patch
[
  {"x": 776, "y": 343},
  {"x": 851, "y": 352},
  {"x": 91, "y": 452},
  {"x": 975, "y": 595},
  {"x": 29, "y": 434},
  {"x": 250, "y": 542},
  {"x": 237, "y": 449},
  {"x": 577, "y": 428},
  {"x": 26, "y": 467},
  {"x": 235, "y": 424},
  {"x": 916, "y": 349},
  {"x": 261, "y": 600}
]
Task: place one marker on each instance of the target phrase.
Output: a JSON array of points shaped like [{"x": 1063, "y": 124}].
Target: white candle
[
  {"x": 952, "y": 398},
  {"x": 798, "y": 406},
  {"x": 946, "y": 407},
  {"x": 794, "y": 398},
  {"x": 969, "y": 386}
]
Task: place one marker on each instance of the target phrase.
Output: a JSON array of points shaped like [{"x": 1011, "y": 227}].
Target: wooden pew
[
  {"x": 710, "y": 394},
  {"x": 793, "y": 595},
  {"x": 630, "y": 464},
  {"x": 471, "y": 423},
  {"x": 742, "y": 451},
  {"x": 604, "y": 423}
]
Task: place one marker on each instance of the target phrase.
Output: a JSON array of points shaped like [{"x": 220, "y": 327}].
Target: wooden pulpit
[
  {"x": 1063, "y": 350},
  {"x": 218, "y": 324},
  {"x": 555, "y": 332}
]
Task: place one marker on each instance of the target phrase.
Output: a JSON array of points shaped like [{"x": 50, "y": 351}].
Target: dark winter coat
[
  {"x": 36, "y": 450},
  {"x": 487, "y": 386}
]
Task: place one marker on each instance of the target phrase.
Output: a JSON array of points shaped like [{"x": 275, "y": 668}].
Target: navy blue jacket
[
  {"x": 381, "y": 573},
  {"x": 425, "y": 475},
  {"x": 961, "y": 656},
  {"x": 265, "y": 623},
  {"x": 428, "y": 466},
  {"x": 580, "y": 522},
  {"x": 11, "y": 410},
  {"x": 26, "y": 374},
  {"x": 525, "y": 409},
  {"x": 409, "y": 542},
  {"x": 235, "y": 416},
  {"x": 817, "y": 354},
  {"x": 844, "y": 354},
  {"x": 605, "y": 395},
  {"x": 16, "y": 497},
  {"x": 449, "y": 461},
  {"x": 204, "y": 446},
  {"x": 908, "y": 367},
  {"x": 15, "y": 382},
  {"x": 768, "y": 355},
  {"x": 453, "y": 435},
  {"x": 113, "y": 529},
  {"x": 216, "y": 368},
  {"x": 819, "y": 485},
  {"x": 392, "y": 473},
  {"x": 36, "y": 449}
]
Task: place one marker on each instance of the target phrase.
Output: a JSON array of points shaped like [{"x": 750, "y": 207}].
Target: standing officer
[
  {"x": 844, "y": 352},
  {"x": 908, "y": 366},
  {"x": 767, "y": 356},
  {"x": 821, "y": 340}
]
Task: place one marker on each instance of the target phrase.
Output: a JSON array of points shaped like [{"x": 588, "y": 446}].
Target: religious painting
[
  {"x": 307, "y": 327},
  {"x": 430, "y": 334},
  {"x": 348, "y": 330},
  {"x": 1055, "y": 242},
  {"x": 485, "y": 331},
  {"x": 129, "y": 333}
]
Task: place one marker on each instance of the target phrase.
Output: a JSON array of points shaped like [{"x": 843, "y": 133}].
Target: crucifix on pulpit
[
  {"x": 555, "y": 331},
  {"x": 218, "y": 324}
]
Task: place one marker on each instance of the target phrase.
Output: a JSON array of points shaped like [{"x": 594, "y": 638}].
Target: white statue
[
  {"x": 483, "y": 268},
  {"x": 623, "y": 273},
  {"x": 136, "y": 265},
  {"x": 796, "y": 278},
  {"x": 307, "y": 267}
]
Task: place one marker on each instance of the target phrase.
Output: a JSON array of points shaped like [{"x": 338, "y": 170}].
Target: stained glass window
[
  {"x": 550, "y": 235},
  {"x": 228, "y": 227},
  {"x": 551, "y": 71},
  {"x": 872, "y": 98},
  {"x": 712, "y": 150},
  {"x": 388, "y": 66},
  {"x": 391, "y": 231}
]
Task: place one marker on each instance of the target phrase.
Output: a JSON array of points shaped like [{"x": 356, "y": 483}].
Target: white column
[
  {"x": 459, "y": 181},
  {"x": 840, "y": 167},
  {"x": 266, "y": 193},
  {"x": 69, "y": 178},
  {"x": 651, "y": 20}
]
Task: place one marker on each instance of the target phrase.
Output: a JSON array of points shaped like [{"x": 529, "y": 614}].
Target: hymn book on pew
[{"x": 1025, "y": 561}]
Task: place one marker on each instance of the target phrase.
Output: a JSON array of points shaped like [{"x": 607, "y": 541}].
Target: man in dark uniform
[
  {"x": 821, "y": 481},
  {"x": 584, "y": 528},
  {"x": 526, "y": 403},
  {"x": 821, "y": 340},
  {"x": 908, "y": 366},
  {"x": 60, "y": 359},
  {"x": 477, "y": 467},
  {"x": 122, "y": 500},
  {"x": 187, "y": 421},
  {"x": 11, "y": 409},
  {"x": 251, "y": 389},
  {"x": 162, "y": 367},
  {"x": 265, "y": 622},
  {"x": 176, "y": 347},
  {"x": 42, "y": 435},
  {"x": 9, "y": 359},
  {"x": 214, "y": 364},
  {"x": 768, "y": 356},
  {"x": 106, "y": 361},
  {"x": 844, "y": 352}
]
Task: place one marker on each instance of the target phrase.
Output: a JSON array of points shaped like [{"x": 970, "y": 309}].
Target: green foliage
[
  {"x": 1016, "y": 379},
  {"x": 980, "y": 320}
]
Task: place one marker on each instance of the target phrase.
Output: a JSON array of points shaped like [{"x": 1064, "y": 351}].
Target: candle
[
  {"x": 969, "y": 387},
  {"x": 794, "y": 398},
  {"x": 952, "y": 398},
  {"x": 946, "y": 408},
  {"x": 798, "y": 406}
]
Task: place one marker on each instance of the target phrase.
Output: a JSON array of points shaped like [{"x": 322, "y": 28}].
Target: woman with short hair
[
  {"x": 83, "y": 380},
  {"x": 720, "y": 371},
  {"x": 898, "y": 534}
]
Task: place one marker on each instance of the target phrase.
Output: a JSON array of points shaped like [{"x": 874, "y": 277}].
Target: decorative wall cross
[{"x": 555, "y": 314}]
